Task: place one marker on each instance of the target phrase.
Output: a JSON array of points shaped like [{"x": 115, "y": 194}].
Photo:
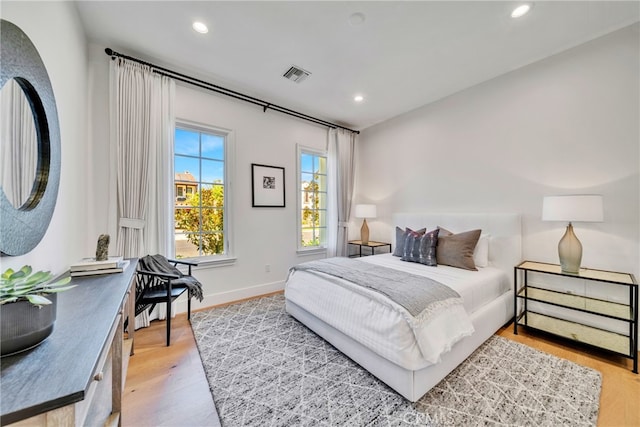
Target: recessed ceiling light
[
  {"x": 358, "y": 98},
  {"x": 200, "y": 27},
  {"x": 356, "y": 19},
  {"x": 520, "y": 10}
]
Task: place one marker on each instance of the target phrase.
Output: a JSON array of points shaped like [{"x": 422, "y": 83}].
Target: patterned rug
[{"x": 266, "y": 369}]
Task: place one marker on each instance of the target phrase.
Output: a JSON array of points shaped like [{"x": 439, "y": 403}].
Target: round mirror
[
  {"x": 29, "y": 146},
  {"x": 18, "y": 146}
]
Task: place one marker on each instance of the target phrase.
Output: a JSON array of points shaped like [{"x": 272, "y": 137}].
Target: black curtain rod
[{"x": 228, "y": 92}]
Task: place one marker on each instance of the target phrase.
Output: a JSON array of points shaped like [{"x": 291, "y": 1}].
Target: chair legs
[
  {"x": 169, "y": 318},
  {"x": 169, "y": 323}
]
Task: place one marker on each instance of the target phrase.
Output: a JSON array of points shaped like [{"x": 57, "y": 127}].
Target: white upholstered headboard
[{"x": 504, "y": 229}]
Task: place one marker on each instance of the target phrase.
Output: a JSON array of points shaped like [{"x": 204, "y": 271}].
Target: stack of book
[{"x": 91, "y": 267}]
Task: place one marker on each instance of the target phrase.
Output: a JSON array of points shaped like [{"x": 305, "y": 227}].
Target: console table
[{"x": 76, "y": 375}]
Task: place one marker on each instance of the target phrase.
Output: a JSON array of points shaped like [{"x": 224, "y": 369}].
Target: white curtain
[
  {"x": 18, "y": 144},
  {"x": 341, "y": 152},
  {"x": 142, "y": 123}
]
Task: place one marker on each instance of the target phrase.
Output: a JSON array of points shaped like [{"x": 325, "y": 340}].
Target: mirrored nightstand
[{"x": 594, "y": 307}]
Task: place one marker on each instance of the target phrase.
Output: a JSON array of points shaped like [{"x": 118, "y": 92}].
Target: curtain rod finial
[{"x": 108, "y": 51}]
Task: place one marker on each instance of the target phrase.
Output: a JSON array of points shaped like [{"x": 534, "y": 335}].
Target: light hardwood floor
[{"x": 166, "y": 386}]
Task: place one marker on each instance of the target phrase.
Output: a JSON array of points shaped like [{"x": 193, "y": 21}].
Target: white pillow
[{"x": 481, "y": 252}]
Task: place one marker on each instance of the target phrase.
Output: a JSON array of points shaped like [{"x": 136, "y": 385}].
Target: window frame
[
  {"x": 227, "y": 256},
  {"x": 300, "y": 150}
]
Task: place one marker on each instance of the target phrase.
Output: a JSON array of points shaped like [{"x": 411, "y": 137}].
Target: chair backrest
[
  {"x": 143, "y": 282},
  {"x": 146, "y": 282},
  {"x": 155, "y": 273}
]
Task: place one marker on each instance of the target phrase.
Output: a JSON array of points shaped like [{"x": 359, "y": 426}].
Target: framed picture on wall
[{"x": 267, "y": 186}]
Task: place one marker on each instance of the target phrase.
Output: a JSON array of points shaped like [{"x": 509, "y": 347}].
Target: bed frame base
[{"x": 413, "y": 384}]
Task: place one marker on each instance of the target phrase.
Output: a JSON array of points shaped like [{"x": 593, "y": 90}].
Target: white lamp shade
[
  {"x": 574, "y": 208},
  {"x": 365, "y": 211}
]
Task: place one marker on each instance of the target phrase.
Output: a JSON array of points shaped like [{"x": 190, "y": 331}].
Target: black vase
[{"x": 25, "y": 325}]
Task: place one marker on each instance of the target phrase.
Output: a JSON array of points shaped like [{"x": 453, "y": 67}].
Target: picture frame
[{"x": 267, "y": 186}]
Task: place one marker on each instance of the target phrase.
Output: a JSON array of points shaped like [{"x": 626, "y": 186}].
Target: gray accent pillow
[
  {"x": 456, "y": 250},
  {"x": 428, "y": 244},
  {"x": 421, "y": 247},
  {"x": 400, "y": 238}
]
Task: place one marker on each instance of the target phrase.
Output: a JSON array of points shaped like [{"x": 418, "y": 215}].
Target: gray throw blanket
[
  {"x": 159, "y": 264},
  {"x": 420, "y": 296}
]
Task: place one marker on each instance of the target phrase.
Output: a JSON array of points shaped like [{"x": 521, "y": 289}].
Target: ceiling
[{"x": 404, "y": 55}]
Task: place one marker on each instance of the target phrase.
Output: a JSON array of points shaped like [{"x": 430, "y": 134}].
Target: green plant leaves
[
  {"x": 38, "y": 300},
  {"x": 25, "y": 285}
]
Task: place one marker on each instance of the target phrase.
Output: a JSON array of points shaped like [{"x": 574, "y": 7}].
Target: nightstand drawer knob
[{"x": 99, "y": 376}]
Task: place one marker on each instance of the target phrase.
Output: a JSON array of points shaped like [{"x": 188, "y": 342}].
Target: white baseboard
[{"x": 229, "y": 296}]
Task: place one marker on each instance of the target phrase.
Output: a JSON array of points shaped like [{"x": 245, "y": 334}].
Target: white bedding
[{"x": 372, "y": 321}]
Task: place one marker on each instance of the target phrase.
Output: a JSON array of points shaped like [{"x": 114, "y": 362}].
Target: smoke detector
[{"x": 296, "y": 74}]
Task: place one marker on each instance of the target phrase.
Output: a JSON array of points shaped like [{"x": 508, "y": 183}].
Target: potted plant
[{"x": 27, "y": 307}]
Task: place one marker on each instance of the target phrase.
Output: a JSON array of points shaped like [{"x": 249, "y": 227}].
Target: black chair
[{"x": 163, "y": 285}]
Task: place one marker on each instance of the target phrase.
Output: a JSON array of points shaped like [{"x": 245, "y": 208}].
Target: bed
[{"x": 362, "y": 327}]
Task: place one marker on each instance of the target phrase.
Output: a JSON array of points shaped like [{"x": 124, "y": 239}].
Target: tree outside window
[
  {"x": 313, "y": 188},
  {"x": 200, "y": 193}
]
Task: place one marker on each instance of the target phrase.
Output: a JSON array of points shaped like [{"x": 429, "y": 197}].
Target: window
[
  {"x": 200, "y": 187},
  {"x": 312, "y": 190}
]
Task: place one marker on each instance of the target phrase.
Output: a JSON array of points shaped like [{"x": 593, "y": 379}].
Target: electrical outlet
[{"x": 267, "y": 268}]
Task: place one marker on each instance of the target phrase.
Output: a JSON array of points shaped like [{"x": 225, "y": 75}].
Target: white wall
[
  {"x": 565, "y": 125},
  {"x": 56, "y": 31},
  {"x": 102, "y": 211},
  {"x": 261, "y": 236}
]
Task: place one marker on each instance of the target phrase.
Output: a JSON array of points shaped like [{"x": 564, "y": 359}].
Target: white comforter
[{"x": 380, "y": 325}]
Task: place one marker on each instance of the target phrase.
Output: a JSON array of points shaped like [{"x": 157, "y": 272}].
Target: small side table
[{"x": 371, "y": 245}]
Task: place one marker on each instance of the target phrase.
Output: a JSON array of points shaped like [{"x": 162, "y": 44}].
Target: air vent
[{"x": 296, "y": 74}]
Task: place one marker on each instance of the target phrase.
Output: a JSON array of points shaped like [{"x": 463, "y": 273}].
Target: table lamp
[
  {"x": 365, "y": 211},
  {"x": 573, "y": 208}
]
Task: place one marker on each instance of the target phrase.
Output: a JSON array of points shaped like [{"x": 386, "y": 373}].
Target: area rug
[{"x": 267, "y": 369}]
